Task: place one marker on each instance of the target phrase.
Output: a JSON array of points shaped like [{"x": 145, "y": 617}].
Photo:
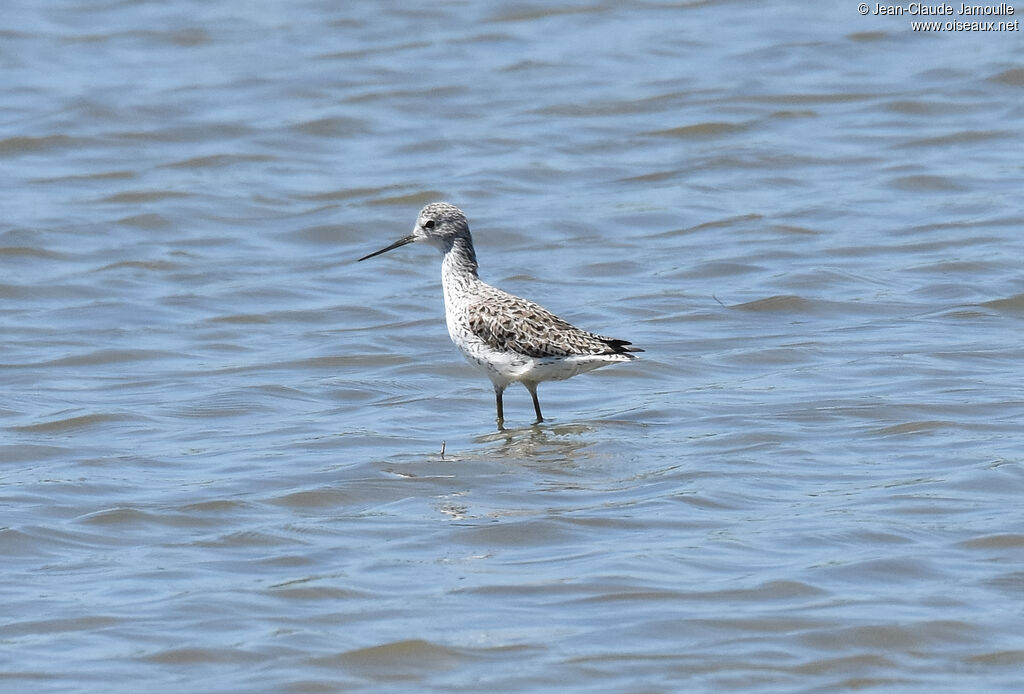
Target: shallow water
[{"x": 221, "y": 462}]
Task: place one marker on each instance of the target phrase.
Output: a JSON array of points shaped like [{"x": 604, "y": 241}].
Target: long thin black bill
[{"x": 396, "y": 244}]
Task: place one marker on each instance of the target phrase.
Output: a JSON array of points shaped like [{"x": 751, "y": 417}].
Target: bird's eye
[{"x": 429, "y": 224}]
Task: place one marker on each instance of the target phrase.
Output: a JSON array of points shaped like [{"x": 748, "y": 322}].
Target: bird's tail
[{"x": 619, "y": 346}]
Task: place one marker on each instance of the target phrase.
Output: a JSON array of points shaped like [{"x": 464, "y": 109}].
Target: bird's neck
[{"x": 460, "y": 258}]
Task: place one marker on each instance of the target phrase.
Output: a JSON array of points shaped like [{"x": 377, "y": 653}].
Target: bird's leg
[
  {"x": 499, "y": 406},
  {"x": 532, "y": 387}
]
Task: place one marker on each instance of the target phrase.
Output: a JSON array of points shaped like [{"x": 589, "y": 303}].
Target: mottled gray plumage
[
  {"x": 509, "y": 323},
  {"x": 509, "y": 338}
]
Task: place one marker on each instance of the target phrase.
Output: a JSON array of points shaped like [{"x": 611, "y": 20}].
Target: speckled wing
[{"x": 508, "y": 323}]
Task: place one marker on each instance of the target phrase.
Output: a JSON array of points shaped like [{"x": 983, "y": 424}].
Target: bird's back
[{"x": 511, "y": 324}]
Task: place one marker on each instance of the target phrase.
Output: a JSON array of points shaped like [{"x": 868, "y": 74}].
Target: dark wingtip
[{"x": 620, "y": 346}]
